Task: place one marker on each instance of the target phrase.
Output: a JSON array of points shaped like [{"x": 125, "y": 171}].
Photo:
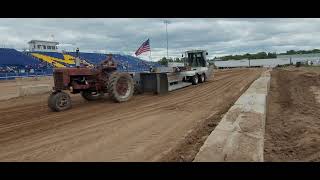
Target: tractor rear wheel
[
  {"x": 121, "y": 87},
  {"x": 59, "y": 101},
  {"x": 91, "y": 96}
]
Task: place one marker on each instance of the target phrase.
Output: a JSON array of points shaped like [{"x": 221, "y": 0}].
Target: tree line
[
  {"x": 265, "y": 55},
  {"x": 164, "y": 60},
  {"x": 292, "y": 52},
  {"x": 259, "y": 55}
]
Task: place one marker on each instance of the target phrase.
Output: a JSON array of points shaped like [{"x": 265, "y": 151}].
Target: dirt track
[
  {"x": 147, "y": 128},
  {"x": 293, "y": 119}
]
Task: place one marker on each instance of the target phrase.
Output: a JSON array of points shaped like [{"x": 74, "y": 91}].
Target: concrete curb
[
  {"x": 34, "y": 89},
  {"x": 27, "y": 86},
  {"x": 240, "y": 134},
  {"x": 8, "y": 97},
  {"x": 36, "y": 78}
]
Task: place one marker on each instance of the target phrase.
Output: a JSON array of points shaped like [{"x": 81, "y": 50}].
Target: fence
[
  {"x": 266, "y": 62},
  {"x": 12, "y": 75}
]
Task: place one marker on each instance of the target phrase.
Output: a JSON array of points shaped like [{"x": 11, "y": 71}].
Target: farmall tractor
[{"x": 92, "y": 83}]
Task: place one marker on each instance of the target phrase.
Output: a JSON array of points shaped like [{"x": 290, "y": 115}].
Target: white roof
[
  {"x": 196, "y": 51},
  {"x": 33, "y": 41}
]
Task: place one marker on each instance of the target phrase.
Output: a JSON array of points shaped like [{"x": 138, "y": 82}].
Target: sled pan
[{"x": 154, "y": 82}]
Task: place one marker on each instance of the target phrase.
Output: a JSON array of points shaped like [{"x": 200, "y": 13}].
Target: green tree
[
  {"x": 163, "y": 61},
  {"x": 315, "y": 51},
  {"x": 177, "y": 60},
  {"x": 260, "y": 55},
  {"x": 272, "y": 55},
  {"x": 291, "y": 52}
]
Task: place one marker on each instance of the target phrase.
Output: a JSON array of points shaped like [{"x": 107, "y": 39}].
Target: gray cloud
[{"x": 218, "y": 36}]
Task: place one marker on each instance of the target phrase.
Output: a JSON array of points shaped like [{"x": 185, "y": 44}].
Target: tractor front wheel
[
  {"x": 59, "y": 101},
  {"x": 121, "y": 87}
]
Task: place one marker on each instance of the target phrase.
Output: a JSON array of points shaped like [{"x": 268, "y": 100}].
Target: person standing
[{"x": 77, "y": 58}]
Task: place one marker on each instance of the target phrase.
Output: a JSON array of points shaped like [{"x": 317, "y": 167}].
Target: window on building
[
  {"x": 48, "y": 47},
  {"x": 34, "y": 46},
  {"x": 44, "y": 47},
  {"x": 53, "y": 47},
  {"x": 39, "y": 46}
]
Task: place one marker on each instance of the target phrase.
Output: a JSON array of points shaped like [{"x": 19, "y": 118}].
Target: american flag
[{"x": 143, "y": 48}]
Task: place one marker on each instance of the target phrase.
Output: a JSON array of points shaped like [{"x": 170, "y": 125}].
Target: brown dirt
[
  {"x": 293, "y": 117},
  {"x": 147, "y": 128}
]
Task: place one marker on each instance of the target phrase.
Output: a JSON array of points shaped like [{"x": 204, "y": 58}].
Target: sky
[{"x": 118, "y": 35}]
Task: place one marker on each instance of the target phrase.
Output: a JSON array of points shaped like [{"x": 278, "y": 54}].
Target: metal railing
[{"x": 12, "y": 76}]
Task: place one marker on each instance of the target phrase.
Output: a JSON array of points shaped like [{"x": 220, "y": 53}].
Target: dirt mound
[{"x": 293, "y": 119}]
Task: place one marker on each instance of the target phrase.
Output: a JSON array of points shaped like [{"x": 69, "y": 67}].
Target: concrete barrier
[
  {"x": 34, "y": 89},
  {"x": 25, "y": 86},
  {"x": 8, "y": 96},
  {"x": 239, "y": 136},
  {"x": 36, "y": 78}
]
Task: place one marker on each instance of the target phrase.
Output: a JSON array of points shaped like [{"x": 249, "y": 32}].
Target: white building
[
  {"x": 47, "y": 46},
  {"x": 175, "y": 64}
]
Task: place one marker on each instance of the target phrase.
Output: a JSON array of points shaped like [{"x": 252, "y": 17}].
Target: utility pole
[{"x": 167, "y": 22}]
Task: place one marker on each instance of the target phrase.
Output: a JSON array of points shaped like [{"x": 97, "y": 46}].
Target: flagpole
[
  {"x": 150, "y": 51},
  {"x": 150, "y": 56}
]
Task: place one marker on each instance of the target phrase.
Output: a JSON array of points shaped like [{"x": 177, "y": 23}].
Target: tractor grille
[{"x": 58, "y": 80}]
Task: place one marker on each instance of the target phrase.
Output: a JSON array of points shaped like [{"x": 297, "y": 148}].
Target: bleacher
[
  {"x": 51, "y": 54},
  {"x": 14, "y": 57},
  {"x": 54, "y": 58},
  {"x": 94, "y": 58},
  {"x": 15, "y": 63},
  {"x": 125, "y": 62}
]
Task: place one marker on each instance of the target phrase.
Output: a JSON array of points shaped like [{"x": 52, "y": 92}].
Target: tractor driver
[{"x": 109, "y": 63}]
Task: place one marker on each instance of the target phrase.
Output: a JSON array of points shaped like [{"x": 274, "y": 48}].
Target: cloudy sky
[{"x": 218, "y": 36}]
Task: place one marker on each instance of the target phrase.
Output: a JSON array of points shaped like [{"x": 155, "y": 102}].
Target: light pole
[{"x": 167, "y": 22}]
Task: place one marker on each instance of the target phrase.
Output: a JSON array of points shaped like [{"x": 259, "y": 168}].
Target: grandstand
[
  {"x": 36, "y": 61},
  {"x": 14, "y": 63},
  {"x": 13, "y": 57},
  {"x": 125, "y": 62}
]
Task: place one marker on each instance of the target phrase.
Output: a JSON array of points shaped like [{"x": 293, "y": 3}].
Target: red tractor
[{"x": 91, "y": 83}]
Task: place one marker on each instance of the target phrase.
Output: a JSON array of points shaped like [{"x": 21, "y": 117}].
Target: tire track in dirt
[
  {"x": 142, "y": 129},
  {"x": 18, "y": 111},
  {"x": 187, "y": 149}
]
